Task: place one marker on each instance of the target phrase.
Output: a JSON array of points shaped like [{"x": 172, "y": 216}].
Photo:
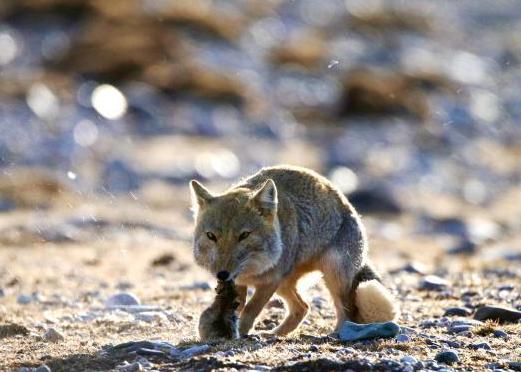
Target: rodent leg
[
  {"x": 255, "y": 305},
  {"x": 242, "y": 291}
]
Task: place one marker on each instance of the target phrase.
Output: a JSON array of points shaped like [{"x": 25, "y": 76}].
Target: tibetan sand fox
[{"x": 274, "y": 227}]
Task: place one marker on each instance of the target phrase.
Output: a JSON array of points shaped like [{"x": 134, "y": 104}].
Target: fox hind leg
[{"x": 339, "y": 283}]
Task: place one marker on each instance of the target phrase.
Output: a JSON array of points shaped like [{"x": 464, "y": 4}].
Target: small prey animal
[{"x": 219, "y": 320}]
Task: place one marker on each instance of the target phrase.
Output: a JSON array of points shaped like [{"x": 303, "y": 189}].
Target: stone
[
  {"x": 122, "y": 299},
  {"x": 409, "y": 359},
  {"x": 500, "y": 334},
  {"x": 43, "y": 368},
  {"x": 52, "y": 335},
  {"x": 151, "y": 316},
  {"x": 459, "y": 326},
  {"x": 480, "y": 345},
  {"x": 2, "y": 293},
  {"x": 130, "y": 367},
  {"x": 412, "y": 268},
  {"x": 190, "y": 352},
  {"x": 7, "y": 205},
  {"x": 375, "y": 201},
  {"x": 465, "y": 246},
  {"x": 205, "y": 286},
  {"x": 354, "y": 332},
  {"x": 447, "y": 356},
  {"x": 433, "y": 283},
  {"x": 24, "y": 299},
  {"x": 516, "y": 366},
  {"x": 457, "y": 311},
  {"x": 402, "y": 338},
  {"x": 497, "y": 313}
]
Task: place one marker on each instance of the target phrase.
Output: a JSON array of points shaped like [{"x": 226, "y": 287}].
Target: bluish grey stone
[
  {"x": 354, "y": 332},
  {"x": 447, "y": 356},
  {"x": 499, "y": 333},
  {"x": 43, "y": 368},
  {"x": 122, "y": 299},
  {"x": 460, "y": 328},
  {"x": 409, "y": 359},
  {"x": 24, "y": 299},
  {"x": 465, "y": 246},
  {"x": 433, "y": 283},
  {"x": 402, "y": 338}
]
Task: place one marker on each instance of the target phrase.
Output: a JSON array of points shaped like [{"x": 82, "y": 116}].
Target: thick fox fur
[{"x": 279, "y": 224}]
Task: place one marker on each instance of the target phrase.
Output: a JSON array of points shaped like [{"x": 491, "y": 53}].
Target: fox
[{"x": 274, "y": 227}]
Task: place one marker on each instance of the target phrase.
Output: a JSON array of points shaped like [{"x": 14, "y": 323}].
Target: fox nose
[{"x": 223, "y": 275}]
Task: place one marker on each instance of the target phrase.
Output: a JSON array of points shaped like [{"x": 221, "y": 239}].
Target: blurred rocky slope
[{"x": 139, "y": 95}]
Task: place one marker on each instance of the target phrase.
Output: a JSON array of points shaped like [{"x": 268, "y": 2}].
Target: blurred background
[
  {"x": 408, "y": 107},
  {"x": 109, "y": 108}
]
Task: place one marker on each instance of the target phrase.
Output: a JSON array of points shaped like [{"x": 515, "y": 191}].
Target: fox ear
[
  {"x": 200, "y": 195},
  {"x": 265, "y": 198}
]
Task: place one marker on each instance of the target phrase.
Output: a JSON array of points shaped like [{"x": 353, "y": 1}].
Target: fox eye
[
  {"x": 211, "y": 236},
  {"x": 244, "y": 235}
]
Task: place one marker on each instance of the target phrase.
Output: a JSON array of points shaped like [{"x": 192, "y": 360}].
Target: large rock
[{"x": 500, "y": 314}]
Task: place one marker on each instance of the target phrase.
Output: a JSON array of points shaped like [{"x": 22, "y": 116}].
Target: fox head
[{"x": 237, "y": 231}]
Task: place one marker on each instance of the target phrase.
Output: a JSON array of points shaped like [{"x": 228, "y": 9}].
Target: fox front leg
[{"x": 255, "y": 305}]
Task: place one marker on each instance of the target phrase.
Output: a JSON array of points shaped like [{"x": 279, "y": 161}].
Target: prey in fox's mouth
[{"x": 219, "y": 320}]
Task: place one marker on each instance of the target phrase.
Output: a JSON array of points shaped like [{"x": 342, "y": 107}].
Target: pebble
[
  {"x": 500, "y": 334},
  {"x": 190, "y": 352},
  {"x": 151, "y": 316},
  {"x": 500, "y": 314},
  {"x": 480, "y": 345},
  {"x": 447, "y": 356},
  {"x": 353, "y": 332},
  {"x": 460, "y": 328},
  {"x": 43, "y": 368},
  {"x": 24, "y": 299},
  {"x": 2, "y": 293},
  {"x": 205, "y": 286},
  {"x": 433, "y": 283},
  {"x": 375, "y": 201},
  {"x": 409, "y": 359},
  {"x": 130, "y": 367},
  {"x": 463, "y": 247},
  {"x": 412, "y": 268},
  {"x": 457, "y": 311},
  {"x": 313, "y": 348},
  {"x": 52, "y": 335},
  {"x": 122, "y": 299},
  {"x": 516, "y": 366},
  {"x": 402, "y": 338}
]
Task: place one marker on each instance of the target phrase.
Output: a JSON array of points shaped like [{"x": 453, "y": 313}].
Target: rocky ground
[
  {"x": 65, "y": 272},
  {"x": 411, "y": 108}
]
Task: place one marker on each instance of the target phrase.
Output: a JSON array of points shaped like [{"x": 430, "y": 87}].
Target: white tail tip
[{"x": 375, "y": 303}]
